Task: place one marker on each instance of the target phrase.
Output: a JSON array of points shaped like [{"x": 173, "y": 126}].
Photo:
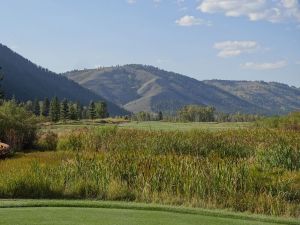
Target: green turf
[{"x": 35, "y": 212}]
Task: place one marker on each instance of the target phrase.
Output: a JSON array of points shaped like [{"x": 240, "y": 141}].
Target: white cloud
[
  {"x": 235, "y": 48},
  {"x": 131, "y": 1},
  {"x": 272, "y": 11},
  {"x": 265, "y": 66},
  {"x": 188, "y": 21}
]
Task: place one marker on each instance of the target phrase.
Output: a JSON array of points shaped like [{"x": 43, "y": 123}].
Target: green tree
[
  {"x": 196, "y": 113},
  {"x": 101, "y": 110},
  {"x": 92, "y": 110},
  {"x": 160, "y": 116},
  {"x": 64, "y": 110},
  {"x": 54, "y": 109},
  {"x": 29, "y": 106},
  {"x": 79, "y": 111},
  {"x": 1, "y": 90},
  {"x": 72, "y": 112},
  {"x": 36, "y": 107},
  {"x": 45, "y": 107}
]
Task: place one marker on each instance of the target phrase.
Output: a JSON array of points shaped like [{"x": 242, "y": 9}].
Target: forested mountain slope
[{"x": 27, "y": 81}]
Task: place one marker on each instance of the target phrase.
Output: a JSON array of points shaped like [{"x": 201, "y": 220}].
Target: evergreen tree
[
  {"x": 64, "y": 110},
  {"x": 160, "y": 116},
  {"x": 85, "y": 112},
  {"x": 92, "y": 110},
  {"x": 72, "y": 112},
  {"x": 79, "y": 110},
  {"x": 45, "y": 107},
  {"x": 29, "y": 106},
  {"x": 36, "y": 107},
  {"x": 54, "y": 109},
  {"x": 1, "y": 90},
  {"x": 101, "y": 110}
]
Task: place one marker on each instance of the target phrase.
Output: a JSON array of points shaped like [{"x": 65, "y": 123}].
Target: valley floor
[{"x": 149, "y": 125}]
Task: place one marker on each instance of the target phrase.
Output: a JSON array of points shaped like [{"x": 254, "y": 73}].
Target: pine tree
[
  {"x": 92, "y": 110},
  {"x": 1, "y": 90},
  {"x": 45, "y": 107},
  {"x": 29, "y": 106},
  {"x": 54, "y": 109},
  {"x": 79, "y": 110},
  {"x": 72, "y": 112},
  {"x": 160, "y": 116},
  {"x": 101, "y": 110},
  {"x": 64, "y": 110},
  {"x": 36, "y": 107}
]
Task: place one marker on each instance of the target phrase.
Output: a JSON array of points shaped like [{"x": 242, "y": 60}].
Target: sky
[{"x": 203, "y": 39}]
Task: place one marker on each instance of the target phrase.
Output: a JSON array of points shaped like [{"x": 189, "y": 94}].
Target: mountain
[
  {"x": 27, "y": 81},
  {"x": 146, "y": 88},
  {"x": 272, "y": 96}
]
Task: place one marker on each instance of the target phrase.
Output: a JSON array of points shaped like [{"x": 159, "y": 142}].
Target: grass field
[
  {"x": 156, "y": 125},
  {"x": 151, "y": 125},
  {"x": 63, "y": 212}
]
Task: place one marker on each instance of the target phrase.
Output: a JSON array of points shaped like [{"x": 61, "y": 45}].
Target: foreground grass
[
  {"x": 254, "y": 170},
  {"x": 58, "y": 212}
]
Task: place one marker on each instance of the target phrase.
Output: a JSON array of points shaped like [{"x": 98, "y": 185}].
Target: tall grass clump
[
  {"x": 288, "y": 122},
  {"x": 47, "y": 141}
]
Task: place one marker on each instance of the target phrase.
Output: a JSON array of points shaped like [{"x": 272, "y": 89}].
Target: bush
[
  {"x": 288, "y": 122},
  {"x": 17, "y": 126},
  {"x": 282, "y": 155},
  {"x": 47, "y": 141}
]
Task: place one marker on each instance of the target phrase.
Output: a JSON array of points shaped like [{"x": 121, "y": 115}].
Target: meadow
[
  {"x": 254, "y": 170},
  {"x": 70, "y": 126}
]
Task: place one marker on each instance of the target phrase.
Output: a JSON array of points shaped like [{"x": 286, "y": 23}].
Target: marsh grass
[{"x": 243, "y": 170}]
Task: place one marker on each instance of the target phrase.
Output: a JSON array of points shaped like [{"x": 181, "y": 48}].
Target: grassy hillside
[
  {"x": 273, "y": 96},
  {"x": 27, "y": 81},
  {"x": 146, "y": 88}
]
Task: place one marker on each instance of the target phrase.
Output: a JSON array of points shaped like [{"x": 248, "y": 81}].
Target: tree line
[
  {"x": 56, "y": 110},
  {"x": 195, "y": 113}
]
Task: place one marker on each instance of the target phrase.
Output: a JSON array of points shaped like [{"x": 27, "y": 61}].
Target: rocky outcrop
[{"x": 4, "y": 150}]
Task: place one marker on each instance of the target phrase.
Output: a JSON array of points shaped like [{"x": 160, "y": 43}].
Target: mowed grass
[{"x": 63, "y": 212}]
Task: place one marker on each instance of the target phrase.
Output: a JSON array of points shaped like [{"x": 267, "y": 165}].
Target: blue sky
[{"x": 204, "y": 39}]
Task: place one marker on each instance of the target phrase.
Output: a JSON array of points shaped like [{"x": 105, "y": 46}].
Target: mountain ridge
[{"x": 146, "y": 88}]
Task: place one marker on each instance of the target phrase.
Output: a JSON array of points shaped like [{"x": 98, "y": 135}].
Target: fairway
[{"x": 108, "y": 213}]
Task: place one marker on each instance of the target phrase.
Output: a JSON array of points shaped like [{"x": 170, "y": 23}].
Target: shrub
[
  {"x": 281, "y": 154},
  {"x": 17, "y": 126},
  {"x": 47, "y": 141}
]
